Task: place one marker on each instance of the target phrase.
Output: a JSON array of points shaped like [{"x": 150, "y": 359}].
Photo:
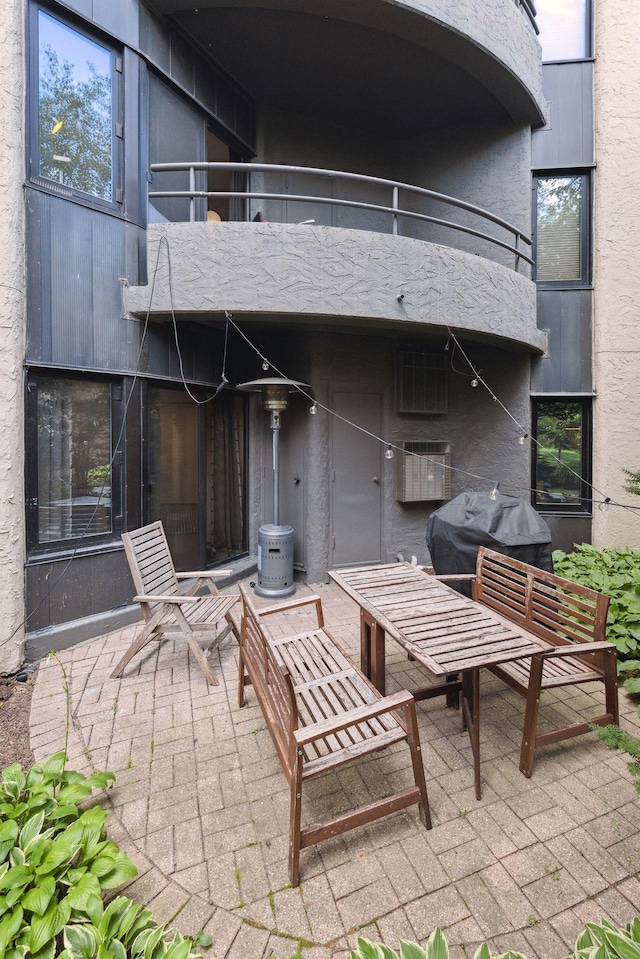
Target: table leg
[
  {"x": 372, "y": 658},
  {"x": 471, "y": 719}
]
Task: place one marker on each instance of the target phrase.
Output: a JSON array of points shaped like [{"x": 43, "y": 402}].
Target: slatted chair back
[
  {"x": 150, "y": 562},
  {"x": 555, "y": 609}
]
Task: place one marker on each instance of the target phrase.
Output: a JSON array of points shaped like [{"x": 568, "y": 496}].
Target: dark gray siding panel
[
  {"x": 117, "y": 17},
  {"x": 566, "y": 314},
  {"x": 89, "y": 585},
  {"x": 567, "y": 141},
  {"x": 568, "y": 530},
  {"x": 76, "y": 257}
]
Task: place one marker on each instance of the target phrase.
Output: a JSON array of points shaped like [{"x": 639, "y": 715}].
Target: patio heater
[{"x": 275, "y": 540}]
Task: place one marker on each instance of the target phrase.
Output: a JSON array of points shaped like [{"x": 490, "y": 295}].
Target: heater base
[{"x": 275, "y": 562}]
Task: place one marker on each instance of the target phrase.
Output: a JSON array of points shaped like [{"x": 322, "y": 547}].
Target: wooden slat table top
[{"x": 441, "y": 628}]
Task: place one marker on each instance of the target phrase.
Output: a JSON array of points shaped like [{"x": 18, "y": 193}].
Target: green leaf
[
  {"x": 17, "y": 857},
  {"x": 101, "y": 780},
  {"x": 54, "y": 766},
  {"x": 79, "y": 893},
  {"x": 483, "y": 952},
  {"x": 46, "y": 927},
  {"x": 179, "y": 950},
  {"x": 31, "y": 830},
  {"x": 17, "y": 876},
  {"x": 94, "y": 908},
  {"x": 623, "y": 946},
  {"x": 368, "y": 949},
  {"x": 64, "y": 812},
  {"x": 37, "y": 899},
  {"x": 9, "y": 831},
  {"x": 206, "y": 941},
  {"x": 48, "y": 951},
  {"x": 123, "y": 870},
  {"x": 411, "y": 950},
  {"x": 112, "y": 916},
  {"x": 74, "y": 793},
  {"x": 9, "y": 927},
  {"x": 62, "y": 851},
  {"x": 81, "y": 941}
]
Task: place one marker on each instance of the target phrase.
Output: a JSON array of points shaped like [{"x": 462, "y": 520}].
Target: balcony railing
[
  {"x": 512, "y": 241},
  {"x": 530, "y": 10}
]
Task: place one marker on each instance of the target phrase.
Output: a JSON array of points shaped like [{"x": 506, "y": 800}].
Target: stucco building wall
[
  {"x": 616, "y": 274},
  {"x": 12, "y": 305}
]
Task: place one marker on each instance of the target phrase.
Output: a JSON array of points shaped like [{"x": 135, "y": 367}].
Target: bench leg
[
  {"x": 532, "y": 710},
  {"x": 611, "y": 685},
  {"x": 413, "y": 740},
  {"x": 471, "y": 719},
  {"x": 372, "y": 653},
  {"x": 295, "y": 816}
]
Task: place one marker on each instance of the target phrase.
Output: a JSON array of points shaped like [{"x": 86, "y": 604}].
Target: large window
[
  {"x": 74, "y": 129},
  {"x": 73, "y": 483},
  {"x": 561, "y": 461},
  {"x": 564, "y": 29},
  {"x": 561, "y": 230}
]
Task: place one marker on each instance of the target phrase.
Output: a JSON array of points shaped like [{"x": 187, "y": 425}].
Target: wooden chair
[{"x": 166, "y": 610}]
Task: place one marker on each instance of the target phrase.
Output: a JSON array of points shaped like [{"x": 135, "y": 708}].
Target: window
[
  {"x": 561, "y": 232},
  {"x": 421, "y": 382},
  {"x": 561, "y": 456},
  {"x": 73, "y": 484},
  {"x": 74, "y": 127},
  {"x": 564, "y": 29}
]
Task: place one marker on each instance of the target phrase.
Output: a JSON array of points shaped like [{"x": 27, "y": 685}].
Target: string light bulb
[
  {"x": 388, "y": 452},
  {"x": 265, "y": 364},
  {"x": 523, "y": 439},
  {"x": 495, "y": 492},
  {"x": 475, "y": 381},
  {"x": 313, "y": 409}
]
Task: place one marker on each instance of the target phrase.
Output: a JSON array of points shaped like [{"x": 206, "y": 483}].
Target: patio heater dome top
[{"x": 274, "y": 390}]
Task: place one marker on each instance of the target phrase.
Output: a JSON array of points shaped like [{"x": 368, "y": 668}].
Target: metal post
[
  {"x": 394, "y": 203},
  {"x": 275, "y": 429},
  {"x": 192, "y": 199}
]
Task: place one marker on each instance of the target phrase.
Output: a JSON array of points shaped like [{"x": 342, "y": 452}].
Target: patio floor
[{"x": 201, "y": 805}]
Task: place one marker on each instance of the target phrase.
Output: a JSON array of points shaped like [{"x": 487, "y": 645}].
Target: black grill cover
[{"x": 507, "y": 524}]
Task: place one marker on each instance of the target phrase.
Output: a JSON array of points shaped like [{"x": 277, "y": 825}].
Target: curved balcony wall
[
  {"x": 342, "y": 277},
  {"x": 492, "y": 41}
]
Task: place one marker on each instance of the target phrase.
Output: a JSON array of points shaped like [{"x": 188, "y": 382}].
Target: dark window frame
[
  {"x": 35, "y": 178},
  {"x": 585, "y": 504},
  {"x": 34, "y": 380},
  {"x": 584, "y": 281},
  {"x": 588, "y": 27}
]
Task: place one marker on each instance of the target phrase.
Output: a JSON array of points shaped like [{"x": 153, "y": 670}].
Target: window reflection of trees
[
  {"x": 74, "y": 110},
  {"x": 559, "y": 226},
  {"x": 559, "y": 454}
]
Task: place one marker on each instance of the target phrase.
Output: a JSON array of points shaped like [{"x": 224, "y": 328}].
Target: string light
[
  {"x": 265, "y": 364},
  {"x": 495, "y": 492},
  {"x": 314, "y": 409},
  {"x": 475, "y": 381},
  {"x": 523, "y": 439},
  {"x": 388, "y": 453}
]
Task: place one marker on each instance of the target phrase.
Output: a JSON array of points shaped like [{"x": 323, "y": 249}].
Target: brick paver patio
[{"x": 201, "y": 805}]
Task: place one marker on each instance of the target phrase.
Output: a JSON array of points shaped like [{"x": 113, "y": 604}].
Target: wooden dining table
[{"x": 450, "y": 634}]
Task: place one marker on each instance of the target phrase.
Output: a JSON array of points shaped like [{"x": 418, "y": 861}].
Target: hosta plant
[
  {"x": 603, "y": 940},
  {"x": 435, "y": 948},
  {"x": 55, "y": 863}
]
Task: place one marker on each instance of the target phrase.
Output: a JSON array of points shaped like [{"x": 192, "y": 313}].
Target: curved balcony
[
  {"x": 300, "y": 54},
  {"x": 363, "y": 251}
]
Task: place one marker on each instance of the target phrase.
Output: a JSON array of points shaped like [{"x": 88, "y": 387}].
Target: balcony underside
[
  {"x": 335, "y": 278},
  {"x": 398, "y": 67}
]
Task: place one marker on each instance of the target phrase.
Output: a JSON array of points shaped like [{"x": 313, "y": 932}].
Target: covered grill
[{"x": 507, "y": 524}]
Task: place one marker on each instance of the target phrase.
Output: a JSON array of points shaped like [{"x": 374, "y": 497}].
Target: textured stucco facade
[
  {"x": 298, "y": 271},
  {"x": 616, "y": 409},
  {"x": 12, "y": 320}
]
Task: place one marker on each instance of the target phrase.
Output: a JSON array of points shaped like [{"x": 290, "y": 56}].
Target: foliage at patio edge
[
  {"x": 616, "y": 573},
  {"x": 600, "y": 940},
  {"x": 55, "y": 864}
]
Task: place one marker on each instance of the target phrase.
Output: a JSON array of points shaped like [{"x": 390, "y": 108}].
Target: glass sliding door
[{"x": 196, "y": 476}]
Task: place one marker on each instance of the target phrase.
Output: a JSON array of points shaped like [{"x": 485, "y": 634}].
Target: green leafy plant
[
  {"x": 435, "y": 948},
  {"x": 603, "y": 940},
  {"x": 55, "y": 864},
  {"x": 615, "y": 572},
  {"x": 616, "y": 738},
  {"x": 632, "y": 484}
]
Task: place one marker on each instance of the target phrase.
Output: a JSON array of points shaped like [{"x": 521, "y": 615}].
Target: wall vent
[
  {"x": 423, "y": 472},
  {"x": 421, "y": 382}
]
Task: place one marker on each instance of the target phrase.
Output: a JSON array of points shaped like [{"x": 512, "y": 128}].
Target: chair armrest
[
  {"x": 454, "y": 577},
  {"x": 203, "y": 574},
  {"x": 312, "y": 600},
  {"x": 176, "y": 599},
  {"x": 352, "y": 717},
  {"x": 575, "y": 649}
]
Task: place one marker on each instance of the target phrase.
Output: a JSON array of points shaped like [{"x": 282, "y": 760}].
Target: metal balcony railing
[
  {"x": 529, "y": 8},
  {"x": 514, "y": 238}
]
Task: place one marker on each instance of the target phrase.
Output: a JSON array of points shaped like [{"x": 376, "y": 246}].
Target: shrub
[{"x": 55, "y": 864}]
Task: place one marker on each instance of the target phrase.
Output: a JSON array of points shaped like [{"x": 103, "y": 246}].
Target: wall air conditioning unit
[{"x": 423, "y": 472}]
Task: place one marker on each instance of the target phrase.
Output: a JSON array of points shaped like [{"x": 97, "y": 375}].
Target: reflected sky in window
[{"x": 563, "y": 32}]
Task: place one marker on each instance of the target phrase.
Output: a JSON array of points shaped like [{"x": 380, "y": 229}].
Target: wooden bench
[
  {"x": 321, "y": 713},
  {"x": 569, "y": 621}
]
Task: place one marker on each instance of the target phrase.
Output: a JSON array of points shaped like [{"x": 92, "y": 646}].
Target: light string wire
[{"x": 606, "y": 500}]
